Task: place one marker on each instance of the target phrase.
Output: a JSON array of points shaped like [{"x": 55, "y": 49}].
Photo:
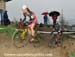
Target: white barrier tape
[
  {"x": 29, "y": 55},
  {"x": 55, "y": 32}
]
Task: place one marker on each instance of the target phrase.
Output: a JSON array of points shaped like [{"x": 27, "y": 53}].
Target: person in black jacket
[{"x": 6, "y": 19}]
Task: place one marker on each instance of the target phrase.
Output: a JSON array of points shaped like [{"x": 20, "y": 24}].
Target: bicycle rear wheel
[
  {"x": 18, "y": 41},
  {"x": 37, "y": 42}
]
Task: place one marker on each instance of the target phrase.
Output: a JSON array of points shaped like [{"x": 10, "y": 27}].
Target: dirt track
[{"x": 8, "y": 50}]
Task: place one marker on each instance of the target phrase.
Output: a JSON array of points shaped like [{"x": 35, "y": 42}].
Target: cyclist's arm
[{"x": 24, "y": 17}]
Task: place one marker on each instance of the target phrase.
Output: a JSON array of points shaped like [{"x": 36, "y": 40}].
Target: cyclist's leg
[
  {"x": 32, "y": 31},
  {"x": 58, "y": 38},
  {"x": 29, "y": 30}
]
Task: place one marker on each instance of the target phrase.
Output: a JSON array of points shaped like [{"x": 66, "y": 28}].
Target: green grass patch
[
  {"x": 72, "y": 54},
  {"x": 2, "y": 26},
  {"x": 9, "y": 31}
]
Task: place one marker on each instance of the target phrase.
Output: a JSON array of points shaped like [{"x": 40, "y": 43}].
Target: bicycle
[
  {"x": 21, "y": 38},
  {"x": 56, "y": 39}
]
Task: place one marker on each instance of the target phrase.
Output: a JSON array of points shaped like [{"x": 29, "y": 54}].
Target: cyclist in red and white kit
[{"x": 32, "y": 20}]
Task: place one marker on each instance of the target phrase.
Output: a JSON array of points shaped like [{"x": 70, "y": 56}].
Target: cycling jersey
[{"x": 32, "y": 18}]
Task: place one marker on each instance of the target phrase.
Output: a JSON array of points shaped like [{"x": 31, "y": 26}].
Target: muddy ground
[{"x": 7, "y": 49}]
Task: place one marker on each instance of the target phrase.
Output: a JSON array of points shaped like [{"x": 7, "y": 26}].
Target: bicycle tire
[
  {"x": 52, "y": 42},
  {"x": 38, "y": 42},
  {"x": 17, "y": 41}
]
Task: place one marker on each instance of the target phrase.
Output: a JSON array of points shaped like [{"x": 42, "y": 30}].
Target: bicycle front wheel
[{"x": 17, "y": 40}]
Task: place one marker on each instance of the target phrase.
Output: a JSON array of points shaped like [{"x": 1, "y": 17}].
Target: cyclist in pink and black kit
[{"x": 32, "y": 20}]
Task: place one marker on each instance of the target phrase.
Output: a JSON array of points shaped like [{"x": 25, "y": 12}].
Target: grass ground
[{"x": 7, "y": 29}]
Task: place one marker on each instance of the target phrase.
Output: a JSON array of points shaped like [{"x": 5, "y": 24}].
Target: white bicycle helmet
[{"x": 24, "y": 7}]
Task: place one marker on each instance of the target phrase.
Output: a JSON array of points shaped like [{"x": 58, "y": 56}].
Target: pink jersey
[{"x": 34, "y": 18}]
